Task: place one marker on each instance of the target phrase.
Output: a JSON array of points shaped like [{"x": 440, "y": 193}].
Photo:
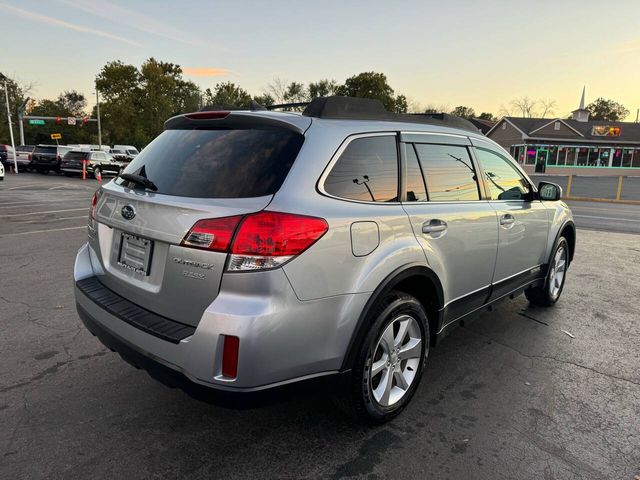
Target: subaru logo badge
[{"x": 128, "y": 212}]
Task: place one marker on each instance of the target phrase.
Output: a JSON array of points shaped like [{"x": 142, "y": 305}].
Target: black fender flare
[
  {"x": 568, "y": 223},
  {"x": 388, "y": 284}
]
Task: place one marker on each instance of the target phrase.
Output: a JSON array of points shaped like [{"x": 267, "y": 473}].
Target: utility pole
[
  {"x": 98, "y": 113},
  {"x": 13, "y": 144}
]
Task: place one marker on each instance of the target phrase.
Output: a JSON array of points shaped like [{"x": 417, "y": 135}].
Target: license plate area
[{"x": 135, "y": 253}]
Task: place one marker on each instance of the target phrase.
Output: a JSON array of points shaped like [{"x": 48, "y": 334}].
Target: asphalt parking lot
[{"x": 521, "y": 393}]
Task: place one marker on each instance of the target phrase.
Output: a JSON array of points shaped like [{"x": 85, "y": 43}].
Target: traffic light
[
  {"x": 31, "y": 105},
  {"x": 58, "y": 120}
]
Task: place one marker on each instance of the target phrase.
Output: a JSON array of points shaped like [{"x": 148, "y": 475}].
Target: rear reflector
[
  {"x": 212, "y": 234},
  {"x": 230, "y": 356},
  {"x": 94, "y": 204},
  {"x": 207, "y": 115}
]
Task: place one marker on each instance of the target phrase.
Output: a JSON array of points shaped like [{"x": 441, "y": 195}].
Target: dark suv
[
  {"x": 48, "y": 157},
  {"x": 96, "y": 162},
  {"x": 6, "y": 156}
]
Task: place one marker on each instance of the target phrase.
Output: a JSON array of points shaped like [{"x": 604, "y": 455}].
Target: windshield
[
  {"x": 218, "y": 163},
  {"x": 76, "y": 155},
  {"x": 44, "y": 149},
  {"x": 132, "y": 152}
]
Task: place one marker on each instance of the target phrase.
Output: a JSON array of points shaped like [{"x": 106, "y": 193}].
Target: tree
[
  {"x": 295, "y": 93},
  {"x": 18, "y": 92},
  {"x": 265, "y": 100},
  {"x": 228, "y": 94},
  {"x": 464, "y": 112},
  {"x": 68, "y": 104},
  {"x": 401, "y": 105},
  {"x": 524, "y": 105},
  {"x": 277, "y": 90},
  {"x": 487, "y": 116},
  {"x": 609, "y": 110},
  {"x": 546, "y": 107},
  {"x": 372, "y": 85},
  {"x": 322, "y": 88}
]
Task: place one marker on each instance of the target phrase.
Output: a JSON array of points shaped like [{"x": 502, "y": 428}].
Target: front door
[
  {"x": 456, "y": 229},
  {"x": 523, "y": 222}
]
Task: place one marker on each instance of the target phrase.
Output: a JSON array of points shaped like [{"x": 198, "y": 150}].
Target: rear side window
[
  {"x": 448, "y": 172},
  {"x": 504, "y": 181},
  {"x": 367, "y": 171},
  {"x": 218, "y": 163}
]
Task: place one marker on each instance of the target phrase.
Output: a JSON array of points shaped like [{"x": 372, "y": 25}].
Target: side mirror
[{"x": 548, "y": 191}]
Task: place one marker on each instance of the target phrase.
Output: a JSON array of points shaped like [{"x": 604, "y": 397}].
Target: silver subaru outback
[{"x": 245, "y": 251}]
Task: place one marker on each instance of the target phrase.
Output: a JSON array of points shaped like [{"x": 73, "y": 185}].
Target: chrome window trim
[{"x": 336, "y": 156}]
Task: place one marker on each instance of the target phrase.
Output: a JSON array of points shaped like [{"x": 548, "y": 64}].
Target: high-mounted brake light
[
  {"x": 207, "y": 115},
  {"x": 258, "y": 241}
]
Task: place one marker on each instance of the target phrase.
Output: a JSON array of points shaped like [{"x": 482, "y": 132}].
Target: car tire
[
  {"x": 549, "y": 292},
  {"x": 44, "y": 171},
  {"x": 382, "y": 381}
]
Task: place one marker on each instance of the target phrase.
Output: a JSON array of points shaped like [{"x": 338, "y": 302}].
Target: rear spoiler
[{"x": 236, "y": 120}]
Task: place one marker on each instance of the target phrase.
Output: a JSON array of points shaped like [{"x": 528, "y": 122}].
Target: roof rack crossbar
[{"x": 287, "y": 105}]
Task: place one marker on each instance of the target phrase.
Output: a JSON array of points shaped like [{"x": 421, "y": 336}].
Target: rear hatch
[
  {"x": 202, "y": 169},
  {"x": 45, "y": 155}
]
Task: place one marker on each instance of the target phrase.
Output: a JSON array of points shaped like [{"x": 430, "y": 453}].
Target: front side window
[
  {"x": 366, "y": 171},
  {"x": 449, "y": 173},
  {"x": 504, "y": 181}
]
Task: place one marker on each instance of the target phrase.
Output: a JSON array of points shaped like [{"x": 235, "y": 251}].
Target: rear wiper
[{"x": 140, "y": 180}]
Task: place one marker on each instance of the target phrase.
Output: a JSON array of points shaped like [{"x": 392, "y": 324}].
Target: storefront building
[{"x": 576, "y": 146}]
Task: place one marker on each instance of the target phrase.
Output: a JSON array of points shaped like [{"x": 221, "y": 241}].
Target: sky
[{"x": 480, "y": 54}]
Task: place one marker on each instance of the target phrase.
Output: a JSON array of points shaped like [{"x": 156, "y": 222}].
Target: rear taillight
[
  {"x": 230, "y": 356},
  {"x": 257, "y": 241},
  {"x": 214, "y": 234},
  {"x": 208, "y": 115},
  {"x": 29, "y": 157}
]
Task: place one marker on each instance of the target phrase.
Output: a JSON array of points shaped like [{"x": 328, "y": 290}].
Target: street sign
[
  {"x": 56, "y": 136},
  {"x": 71, "y": 120},
  {"x": 36, "y": 122}
]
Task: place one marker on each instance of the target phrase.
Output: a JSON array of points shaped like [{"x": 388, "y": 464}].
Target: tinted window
[
  {"x": 367, "y": 170},
  {"x": 449, "y": 173},
  {"x": 76, "y": 156},
  {"x": 45, "y": 150},
  {"x": 415, "y": 188},
  {"x": 504, "y": 181},
  {"x": 218, "y": 163}
]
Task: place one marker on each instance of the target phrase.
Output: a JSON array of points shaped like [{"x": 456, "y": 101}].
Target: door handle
[
  {"x": 434, "y": 226},
  {"x": 507, "y": 220}
]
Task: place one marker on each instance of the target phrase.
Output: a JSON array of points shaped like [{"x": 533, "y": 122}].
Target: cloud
[
  {"x": 205, "y": 71},
  {"x": 60, "y": 23},
  {"x": 132, "y": 19}
]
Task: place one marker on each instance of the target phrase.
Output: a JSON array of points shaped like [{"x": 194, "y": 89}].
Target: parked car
[
  {"x": 123, "y": 155},
  {"x": 23, "y": 156},
  {"x": 6, "y": 156},
  {"x": 96, "y": 162},
  {"x": 46, "y": 158},
  {"x": 245, "y": 251},
  {"x": 129, "y": 149}
]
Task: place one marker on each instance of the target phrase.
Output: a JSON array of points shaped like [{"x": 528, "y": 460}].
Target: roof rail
[
  {"x": 352, "y": 108},
  {"x": 287, "y": 105}
]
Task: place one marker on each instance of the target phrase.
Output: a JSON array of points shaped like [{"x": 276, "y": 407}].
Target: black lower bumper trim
[{"x": 129, "y": 312}]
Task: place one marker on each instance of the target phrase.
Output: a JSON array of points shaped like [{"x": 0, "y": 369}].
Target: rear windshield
[
  {"x": 218, "y": 163},
  {"x": 76, "y": 155},
  {"x": 39, "y": 149}
]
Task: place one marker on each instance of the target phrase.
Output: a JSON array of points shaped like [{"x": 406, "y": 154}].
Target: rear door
[
  {"x": 199, "y": 174},
  {"x": 523, "y": 222},
  {"x": 456, "y": 227}
]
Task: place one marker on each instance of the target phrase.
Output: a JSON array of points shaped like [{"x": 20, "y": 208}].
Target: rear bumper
[{"x": 282, "y": 340}]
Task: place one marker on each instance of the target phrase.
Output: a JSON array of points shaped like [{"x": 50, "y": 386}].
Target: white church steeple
[{"x": 581, "y": 114}]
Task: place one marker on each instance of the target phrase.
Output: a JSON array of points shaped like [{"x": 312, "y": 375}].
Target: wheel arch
[
  {"x": 416, "y": 280},
  {"x": 568, "y": 231}
]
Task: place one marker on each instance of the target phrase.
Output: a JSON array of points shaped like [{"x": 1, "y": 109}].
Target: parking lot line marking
[
  {"x": 610, "y": 218},
  {"x": 25, "y": 186},
  {"x": 42, "y": 213},
  {"x": 41, "y": 231},
  {"x": 38, "y": 204}
]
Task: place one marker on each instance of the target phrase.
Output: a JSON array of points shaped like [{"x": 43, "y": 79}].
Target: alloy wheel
[
  {"x": 556, "y": 276},
  {"x": 396, "y": 359}
]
